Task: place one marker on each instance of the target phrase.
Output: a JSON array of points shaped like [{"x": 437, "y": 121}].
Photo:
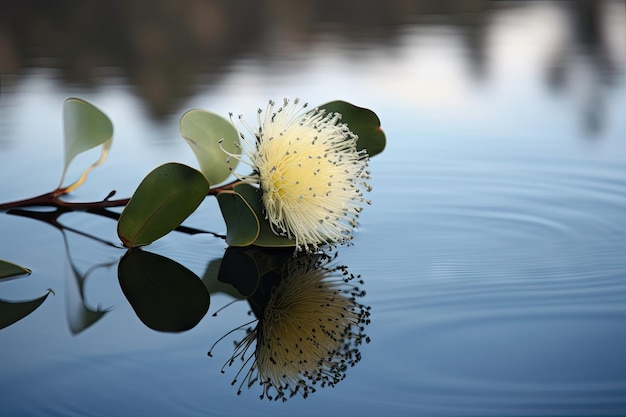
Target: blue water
[{"x": 493, "y": 255}]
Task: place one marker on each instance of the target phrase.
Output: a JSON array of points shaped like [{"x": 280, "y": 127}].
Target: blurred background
[{"x": 164, "y": 50}]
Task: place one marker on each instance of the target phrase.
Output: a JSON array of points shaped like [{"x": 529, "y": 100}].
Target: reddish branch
[{"x": 52, "y": 199}]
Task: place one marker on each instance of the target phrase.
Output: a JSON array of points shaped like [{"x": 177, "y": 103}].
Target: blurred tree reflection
[
  {"x": 588, "y": 42},
  {"x": 157, "y": 46},
  {"x": 162, "y": 48}
]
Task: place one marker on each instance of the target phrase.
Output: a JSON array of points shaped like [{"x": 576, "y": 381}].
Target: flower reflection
[{"x": 308, "y": 330}]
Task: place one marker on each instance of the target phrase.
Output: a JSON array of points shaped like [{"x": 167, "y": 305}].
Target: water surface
[{"x": 493, "y": 254}]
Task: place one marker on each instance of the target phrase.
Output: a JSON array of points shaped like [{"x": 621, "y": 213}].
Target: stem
[
  {"x": 229, "y": 186},
  {"x": 51, "y": 199},
  {"x": 34, "y": 201}
]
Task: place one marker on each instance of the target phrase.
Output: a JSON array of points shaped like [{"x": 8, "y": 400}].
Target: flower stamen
[{"x": 307, "y": 166}]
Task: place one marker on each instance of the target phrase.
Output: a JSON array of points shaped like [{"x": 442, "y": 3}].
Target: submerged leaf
[
  {"x": 14, "y": 311},
  {"x": 209, "y": 135},
  {"x": 85, "y": 127},
  {"x": 165, "y": 295},
  {"x": 9, "y": 269},
  {"x": 362, "y": 122},
  {"x": 163, "y": 200}
]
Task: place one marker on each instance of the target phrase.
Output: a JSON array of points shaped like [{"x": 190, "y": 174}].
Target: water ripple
[
  {"x": 521, "y": 199},
  {"x": 512, "y": 299}
]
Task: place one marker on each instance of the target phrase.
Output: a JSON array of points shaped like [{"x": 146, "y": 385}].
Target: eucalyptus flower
[
  {"x": 309, "y": 328},
  {"x": 311, "y": 176}
]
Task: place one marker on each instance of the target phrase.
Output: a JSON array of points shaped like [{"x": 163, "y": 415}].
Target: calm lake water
[{"x": 493, "y": 256}]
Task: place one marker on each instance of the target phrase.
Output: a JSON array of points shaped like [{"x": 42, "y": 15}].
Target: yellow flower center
[{"x": 311, "y": 175}]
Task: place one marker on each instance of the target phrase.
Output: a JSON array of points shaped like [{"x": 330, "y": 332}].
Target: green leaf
[
  {"x": 203, "y": 131},
  {"x": 85, "y": 127},
  {"x": 266, "y": 237},
  {"x": 165, "y": 295},
  {"x": 163, "y": 200},
  {"x": 8, "y": 269},
  {"x": 362, "y": 122},
  {"x": 12, "y": 311},
  {"x": 242, "y": 225}
]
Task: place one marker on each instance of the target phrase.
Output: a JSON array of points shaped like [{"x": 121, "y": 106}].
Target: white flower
[{"x": 310, "y": 173}]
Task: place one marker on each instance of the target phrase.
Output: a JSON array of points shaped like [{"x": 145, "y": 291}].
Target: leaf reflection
[
  {"x": 13, "y": 311},
  {"x": 165, "y": 295},
  {"x": 309, "y": 322},
  {"x": 80, "y": 316}
]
